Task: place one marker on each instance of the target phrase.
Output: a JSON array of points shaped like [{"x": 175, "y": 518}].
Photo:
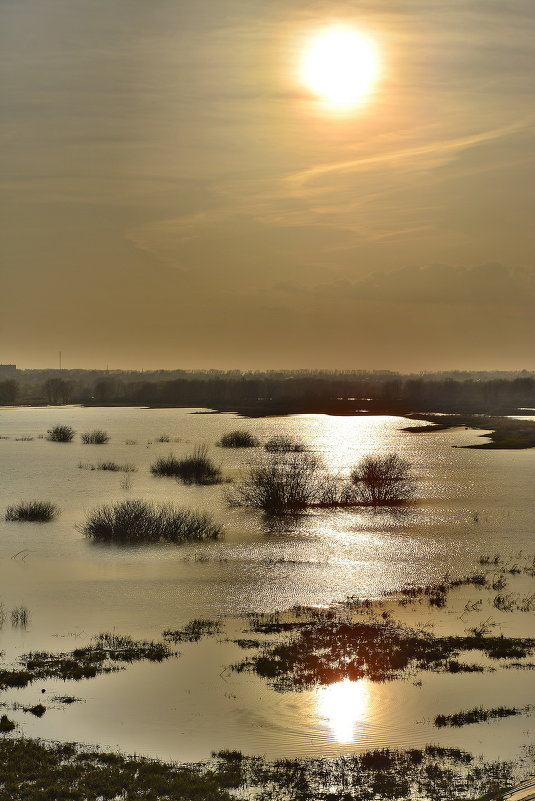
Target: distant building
[{"x": 8, "y": 371}]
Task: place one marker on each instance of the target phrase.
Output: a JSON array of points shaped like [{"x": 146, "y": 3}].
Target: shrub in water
[
  {"x": 96, "y": 437},
  {"x": 61, "y": 434},
  {"x": 283, "y": 444},
  {"x": 136, "y": 521},
  {"x": 383, "y": 480},
  {"x": 32, "y": 511},
  {"x": 238, "y": 439},
  {"x": 281, "y": 484}
]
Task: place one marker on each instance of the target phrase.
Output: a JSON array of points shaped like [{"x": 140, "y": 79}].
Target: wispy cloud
[{"x": 442, "y": 150}]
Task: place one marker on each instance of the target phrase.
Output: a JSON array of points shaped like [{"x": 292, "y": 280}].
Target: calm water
[{"x": 470, "y": 502}]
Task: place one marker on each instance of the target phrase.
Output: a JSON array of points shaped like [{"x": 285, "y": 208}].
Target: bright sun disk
[{"x": 340, "y": 65}]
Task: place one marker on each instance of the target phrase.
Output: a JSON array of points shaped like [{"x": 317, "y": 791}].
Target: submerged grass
[
  {"x": 137, "y": 521},
  {"x": 32, "y": 512}
]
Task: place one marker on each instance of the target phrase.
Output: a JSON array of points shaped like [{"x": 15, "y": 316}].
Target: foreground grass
[{"x": 33, "y": 771}]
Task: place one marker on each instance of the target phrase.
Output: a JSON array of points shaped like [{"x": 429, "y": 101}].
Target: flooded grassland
[{"x": 321, "y": 638}]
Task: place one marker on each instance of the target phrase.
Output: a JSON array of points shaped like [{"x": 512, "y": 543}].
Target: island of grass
[
  {"x": 105, "y": 654},
  {"x": 505, "y": 432},
  {"x": 139, "y": 522}
]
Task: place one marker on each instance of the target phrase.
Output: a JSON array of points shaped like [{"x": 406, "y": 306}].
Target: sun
[{"x": 340, "y": 65}]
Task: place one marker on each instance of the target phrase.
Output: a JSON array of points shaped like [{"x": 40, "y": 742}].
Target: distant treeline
[{"x": 278, "y": 392}]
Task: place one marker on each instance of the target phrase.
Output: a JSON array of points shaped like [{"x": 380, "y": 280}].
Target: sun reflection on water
[{"x": 344, "y": 705}]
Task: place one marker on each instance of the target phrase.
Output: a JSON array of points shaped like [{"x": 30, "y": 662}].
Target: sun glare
[
  {"x": 340, "y": 65},
  {"x": 343, "y": 704}
]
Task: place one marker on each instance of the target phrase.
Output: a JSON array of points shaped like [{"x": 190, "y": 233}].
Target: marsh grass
[
  {"x": 197, "y": 468},
  {"x": 60, "y": 433},
  {"x": 34, "y": 771},
  {"x": 32, "y": 512},
  {"x": 96, "y": 437},
  {"x": 23, "y": 439},
  {"x": 137, "y": 521},
  {"x": 238, "y": 439}
]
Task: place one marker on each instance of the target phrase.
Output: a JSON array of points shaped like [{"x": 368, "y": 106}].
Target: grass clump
[
  {"x": 238, "y": 439},
  {"x": 197, "y": 468},
  {"x": 281, "y": 443},
  {"x": 137, "y": 521},
  {"x": 61, "y": 434},
  {"x": 96, "y": 437},
  {"x": 32, "y": 512},
  {"x": 20, "y": 617}
]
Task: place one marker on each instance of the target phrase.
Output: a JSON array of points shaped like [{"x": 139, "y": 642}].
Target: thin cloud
[{"x": 297, "y": 181}]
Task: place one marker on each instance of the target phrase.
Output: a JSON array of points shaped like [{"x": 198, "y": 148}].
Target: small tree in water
[{"x": 383, "y": 480}]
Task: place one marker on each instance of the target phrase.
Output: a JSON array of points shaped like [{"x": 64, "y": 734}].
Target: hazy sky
[{"x": 174, "y": 196}]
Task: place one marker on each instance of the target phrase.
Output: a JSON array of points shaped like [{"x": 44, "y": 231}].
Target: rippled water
[{"x": 470, "y": 502}]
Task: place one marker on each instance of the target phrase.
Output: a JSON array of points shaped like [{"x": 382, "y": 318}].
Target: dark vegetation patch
[
  {"x": 32, "y": 512},
  {"x": 38, "y": 710},
  {"x": 324, "y": 647},
  {"x": 197, "y": 468},
  {"x": 6, "y": 725},
  {"x": 194, "y": 631},
  {"x": 32, "y": 771},
  {"x": 506, "y": 433},
  {"x": 137, "y": 521},
  {"x": 478, "y": 715},
  {"x": 96, "y": 437},
  {"x": 238, "y": 439},
  {"x": 61, "y": 434},
  {"x": 105, "y": 654},
  {"x": 432, "y": 773}
]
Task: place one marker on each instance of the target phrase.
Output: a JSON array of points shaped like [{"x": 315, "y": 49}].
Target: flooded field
[{"x": 470, "y": 504}]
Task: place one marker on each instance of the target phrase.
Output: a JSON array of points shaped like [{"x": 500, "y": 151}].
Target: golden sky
[{"x": 174, "y": 194}]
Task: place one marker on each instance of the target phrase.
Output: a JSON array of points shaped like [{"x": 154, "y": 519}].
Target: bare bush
[
  {"x": 383, "y": 480},
  {"x": 60, "y": 434},
  {"x": 280, "y": 443}
]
